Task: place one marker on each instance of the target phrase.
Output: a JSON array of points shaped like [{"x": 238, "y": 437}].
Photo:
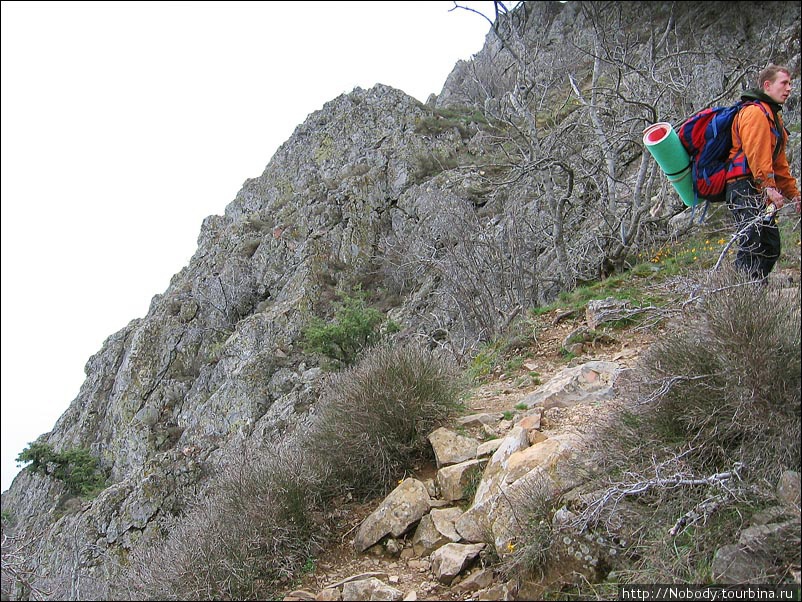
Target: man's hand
[
  {"x": 775, "y": 197},
  {"x": 796, "y": 203}
]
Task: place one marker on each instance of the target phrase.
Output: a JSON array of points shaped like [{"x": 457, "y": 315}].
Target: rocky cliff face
[{"x": 217, "y": 362}]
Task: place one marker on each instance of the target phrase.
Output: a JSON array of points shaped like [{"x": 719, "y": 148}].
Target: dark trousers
[{"x": 759, "y": 240}]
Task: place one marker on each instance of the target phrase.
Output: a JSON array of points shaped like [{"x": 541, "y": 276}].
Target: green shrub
[
  {"x": 465, "y": 119},
  {"x": 374, "y": 419},
  {"x": 78, "y": 469},
  {"x": 354, "y": 327},
  {"x": 39, "y": 455}
]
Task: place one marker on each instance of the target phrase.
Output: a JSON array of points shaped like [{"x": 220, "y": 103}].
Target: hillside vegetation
[{"x": 709, "y": 422}]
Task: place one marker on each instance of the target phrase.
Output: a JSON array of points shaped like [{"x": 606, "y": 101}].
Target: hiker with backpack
[{"x": 759, "y": 180}]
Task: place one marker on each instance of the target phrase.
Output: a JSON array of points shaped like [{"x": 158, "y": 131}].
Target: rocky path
[{"x": 393, "y": 569}]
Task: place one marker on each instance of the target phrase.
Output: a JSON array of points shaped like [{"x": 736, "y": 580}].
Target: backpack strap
[
  {"x": 695, "y": 205},
  {"x": 738, "y": 163},
  {"x": 774, "y": 129}
]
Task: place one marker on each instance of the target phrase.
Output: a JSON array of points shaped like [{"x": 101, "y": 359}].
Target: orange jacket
[{"x": 755, "y": 137}]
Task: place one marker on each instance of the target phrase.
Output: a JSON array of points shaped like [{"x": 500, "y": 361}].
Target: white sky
[{"x": 125, "y": 124}]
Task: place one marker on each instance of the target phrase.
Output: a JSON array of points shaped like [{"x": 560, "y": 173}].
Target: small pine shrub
[
  {"x": 374, "y": 419},
  {"x": 39, "y": 455},
  {"x": 354, "y": 327},
  {"x": 78, "y": 469}
]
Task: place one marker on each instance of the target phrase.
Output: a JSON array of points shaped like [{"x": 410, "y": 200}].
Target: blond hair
[{"x": 769, "y": 74}]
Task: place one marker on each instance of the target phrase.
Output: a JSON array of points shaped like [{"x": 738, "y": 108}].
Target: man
[{"x": 759, "y": 179}]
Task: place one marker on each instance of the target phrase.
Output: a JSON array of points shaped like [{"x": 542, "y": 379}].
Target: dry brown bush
[{"x": 374, "y": 419}]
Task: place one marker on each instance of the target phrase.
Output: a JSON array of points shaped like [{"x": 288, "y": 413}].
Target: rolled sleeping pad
[{"x": 663, "y": 144}]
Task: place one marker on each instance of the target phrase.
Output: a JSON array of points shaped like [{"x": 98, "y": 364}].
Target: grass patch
[{"x": 485, "y": 361}]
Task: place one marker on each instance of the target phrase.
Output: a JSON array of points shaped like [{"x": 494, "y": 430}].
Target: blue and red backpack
[{"x": 707, "y": 136}]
